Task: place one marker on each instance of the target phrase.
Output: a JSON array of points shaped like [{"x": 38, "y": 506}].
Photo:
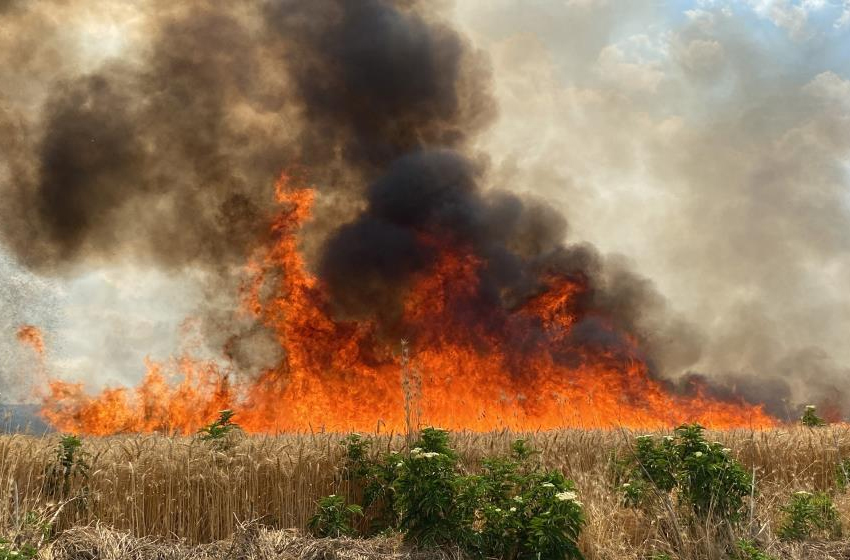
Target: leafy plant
[
  {"x": 30, "y": 532},
  {"x": 11, "y": 551},
  {"x": 375, "y": 476},
  {"x": 842, "y": 473},
  {"x": 706, "y": 479},
  {"x": 426, "y": 491},
  {"x": 71, "y": 464},
  {"x": 810, "y": 417},
  {"x": 748, "y": 550},
  {"x": 219, "y": 432},
  {"x": 512, "y": 510},
  {"x": 333, "y": 517},
  {"x": 808, "y": 515}
]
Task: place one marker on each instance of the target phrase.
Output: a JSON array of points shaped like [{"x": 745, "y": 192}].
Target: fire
[
  {"x": 31, "y": 336},
  {"x": 472, "y": 365}
]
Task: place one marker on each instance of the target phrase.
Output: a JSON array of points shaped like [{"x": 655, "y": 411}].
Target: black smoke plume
[{"x": 166, "y": 154}]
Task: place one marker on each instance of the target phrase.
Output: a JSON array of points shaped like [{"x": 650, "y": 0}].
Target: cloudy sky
[{"x": 706, "y": 143}]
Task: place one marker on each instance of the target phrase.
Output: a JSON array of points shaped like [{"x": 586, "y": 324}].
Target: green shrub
[
  {"x": 30, "y": 534},
  {"x": 809, "y": 515},
  {"x": 219, "y": 432},
  {"x": 842, "y": 474},
  {"x": 707, "y": 480},
  {"x": 70, "y": 465},
  {"x": 10, "y": 551},
  {"x": 375, "y": 476},
  {"x": 333, "y": 517},
  {"x": 512, "y": 510},
  {"x": 426, "y": 497},
  {"x": 748, "y": 550},
  {"x": 525, "y": 512},
  {"x": 810, "y": 417}
]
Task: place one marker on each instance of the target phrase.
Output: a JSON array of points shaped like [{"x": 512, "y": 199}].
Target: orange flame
[
  {"x": 31, "y": 336},
  {"x": 477, "y": 368}
]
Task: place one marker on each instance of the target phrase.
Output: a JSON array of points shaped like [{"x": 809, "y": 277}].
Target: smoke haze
[{"x": 712, "y": 166}]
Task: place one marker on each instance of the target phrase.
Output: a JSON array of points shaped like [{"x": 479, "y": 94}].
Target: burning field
[
  {"x": 549, "y": 360},
  {"x": 362, "y": 271},
  {"x": 569, "y": 222}
]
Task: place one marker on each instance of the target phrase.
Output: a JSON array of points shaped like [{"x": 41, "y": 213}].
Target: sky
[{"x": 705, "y": 144}]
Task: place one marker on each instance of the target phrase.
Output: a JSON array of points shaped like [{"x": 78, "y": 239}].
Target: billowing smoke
[
  {"x": 164, "y": 150},
  {"x": 707, "y": 143}
]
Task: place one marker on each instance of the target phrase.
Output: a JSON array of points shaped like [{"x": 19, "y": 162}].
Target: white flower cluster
[
  {"x": 564, "y": 496},
  {"x": 698, "y": 454},
  {"x": 417, "y": 453}
]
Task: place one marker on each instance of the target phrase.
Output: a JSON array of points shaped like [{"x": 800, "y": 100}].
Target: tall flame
[{"x": 473, "y": 366}]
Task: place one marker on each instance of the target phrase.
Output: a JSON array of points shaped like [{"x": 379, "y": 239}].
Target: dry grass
[{"x": 178, "y": 488}]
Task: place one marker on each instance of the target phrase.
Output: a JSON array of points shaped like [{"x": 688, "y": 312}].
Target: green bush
[
  {"x": 842, "y": 474},
  {"x": 70, "y": 465},
  {"x": 810, "y": 417},
  {"x": 10, "y": 551},
  {"x": 748, "y": 550},
  {"x": 809, "y": 515},
  {"x": 375, "y": 476},
  {"x": 426, "y": 492},
  {"x": 219, "y": 432},
  {"x": 333, "y": 517},
  {"x": 706, "y": 479},
  {"x": 512, "y": 510}
]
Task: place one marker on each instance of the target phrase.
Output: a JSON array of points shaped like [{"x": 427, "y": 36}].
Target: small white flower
[
  {"x": 547, "y": 485},
  {"x": 810, "y": 407},
  {"x": 513, "y": 509},
  {"x": 416, "y": 451},
  {"x": 627, "y": 485},
  {"x": 498, "y": 510},
  {"x": 726, "y": 450},
  {"x": 669, "y": 438},
  {"x": 564, "y": 496},
  {"x": 430, "y": 454},
  {"x": 332, "y": 496},
  {"x": 399, "y": 464},
  {"x": 644, "y": 436},
  {"x": 698, "y": 454},
  {"x": 518, "y": 499},
  {"x": 803, "y": 493}
]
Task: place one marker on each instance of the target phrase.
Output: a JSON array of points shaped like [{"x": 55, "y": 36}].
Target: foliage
[
  {"x": 11, "y": 551},
  {"x": 512, "y": 510},
  {"x": 375, "y": 476},
  {"x": 333, "y": 517},
  {"x": 810, "y": 417},
  {"x": 30, "y": 533},
  {"x": 71, "y": 464},
  {"x": 426, "y": 491},
  {"x": 748, "y": 550},
  {"x": 706, "y": 479},
  {"x": 842, "y": 473},
  {"x": 219, "y": 432},
  {"x": 808, "y": 515}
]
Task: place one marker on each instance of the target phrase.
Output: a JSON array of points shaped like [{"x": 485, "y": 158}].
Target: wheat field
[{"x": 182, "y": 490}]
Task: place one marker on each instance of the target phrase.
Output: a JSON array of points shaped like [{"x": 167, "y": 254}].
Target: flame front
[{"x": 473, "y": 366}]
